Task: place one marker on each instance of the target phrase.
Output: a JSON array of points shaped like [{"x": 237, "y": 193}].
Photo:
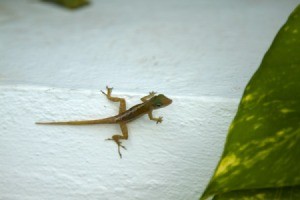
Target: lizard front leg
[
  {"x": 157, "y": 119},
  {"x": 117, "y": 138},
  {"x": 122, "y": 101},
  {"x": 150, "y": 95}
]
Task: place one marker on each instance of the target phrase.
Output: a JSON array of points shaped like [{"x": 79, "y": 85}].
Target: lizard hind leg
[
  {"x": 122, "y": 101},
  {"x": 117, "y": 138}
]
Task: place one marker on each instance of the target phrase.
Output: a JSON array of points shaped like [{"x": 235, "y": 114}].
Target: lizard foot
[
  {"x": 119, "y": 145},
  {"x": 109, "y": 89},
  {"x": 152, "y": 93},
  {"x": 159, "y": 120}
]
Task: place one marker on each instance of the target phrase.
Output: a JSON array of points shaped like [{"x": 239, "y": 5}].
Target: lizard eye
[{"x": 158, "y": 105}]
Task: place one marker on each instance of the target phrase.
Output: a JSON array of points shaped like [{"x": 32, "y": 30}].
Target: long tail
[{"x": 109, "y": 120}]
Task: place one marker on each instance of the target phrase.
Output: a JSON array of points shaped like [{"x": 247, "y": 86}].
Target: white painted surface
[
  {"x": 191, "y": 47},
  {"x": 171, "y": 160},
  {"x": 199, "y": 53}
]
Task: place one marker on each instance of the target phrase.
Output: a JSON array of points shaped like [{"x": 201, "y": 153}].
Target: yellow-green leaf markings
[{"x": 261, "y": 158}]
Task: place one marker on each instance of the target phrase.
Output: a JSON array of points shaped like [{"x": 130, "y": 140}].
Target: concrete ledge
[{"x": 173, "y": 160}]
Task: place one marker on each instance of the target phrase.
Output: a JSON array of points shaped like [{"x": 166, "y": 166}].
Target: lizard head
[{"x": 160, "y": 101}]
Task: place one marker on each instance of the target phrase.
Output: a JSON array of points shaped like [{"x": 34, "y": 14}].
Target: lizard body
[{"x": 150, "y": 103}]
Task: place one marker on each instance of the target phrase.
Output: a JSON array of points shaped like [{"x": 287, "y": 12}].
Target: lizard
[{"x": 149, "y": 103}]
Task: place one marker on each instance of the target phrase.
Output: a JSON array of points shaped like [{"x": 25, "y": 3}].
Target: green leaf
[
  {"x": 72, "y": 3},
  {"x": 272, "y": 193},
  {"x": 261, "y": 159}
]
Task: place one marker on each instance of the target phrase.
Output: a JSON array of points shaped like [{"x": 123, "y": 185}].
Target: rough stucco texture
[
  {"x": 163, "y": 161},
  {"x": 192, "y": 47}
]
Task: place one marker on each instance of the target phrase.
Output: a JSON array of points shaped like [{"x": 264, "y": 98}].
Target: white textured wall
[
  {"x": 172, "y": 160},
  {"x": 53, "y": 62}
]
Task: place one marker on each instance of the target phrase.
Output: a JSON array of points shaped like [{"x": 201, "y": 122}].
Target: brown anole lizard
[{"x": 150, "y": 103}]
